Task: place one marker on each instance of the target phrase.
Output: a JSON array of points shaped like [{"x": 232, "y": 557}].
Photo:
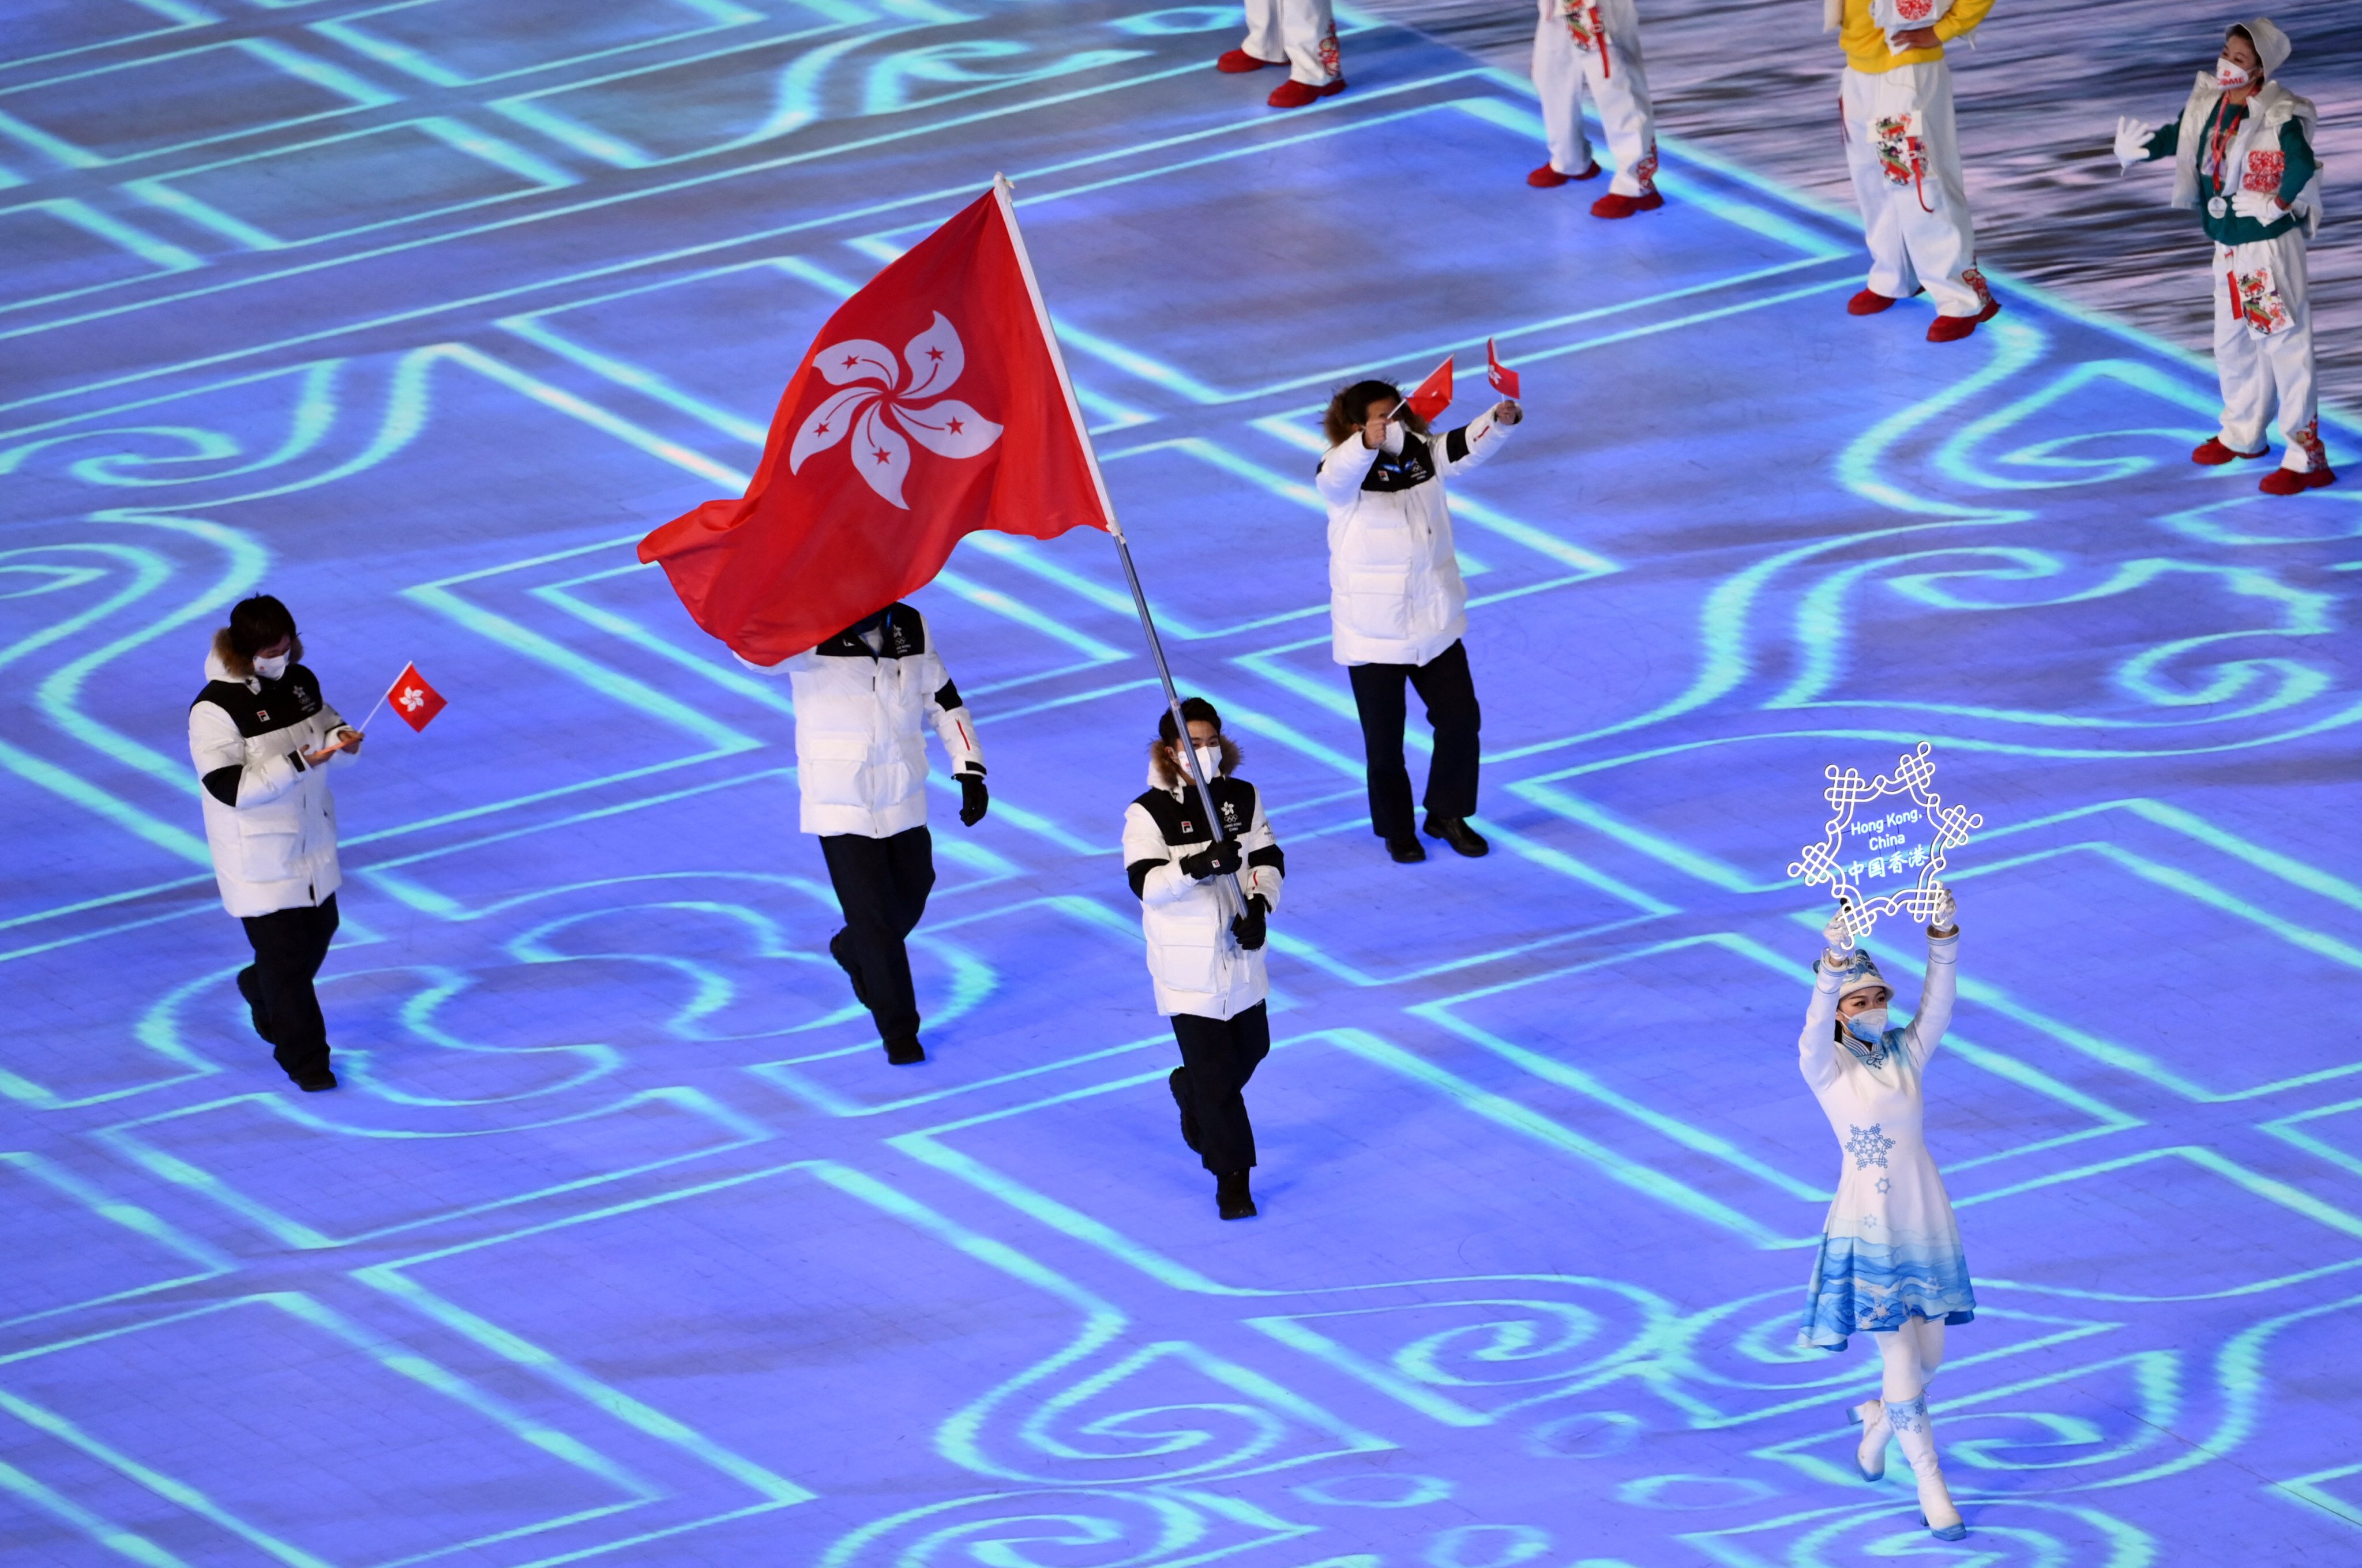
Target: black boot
[
  {"x": 252, "y": 989},
  {"x": 1455, "y": 832},
  {"x": 1232, "y": 1197},
  {"x": 1177, "y": 1081},
  {"x": 1406, "y": 849},
  {"x": 905, "y": 1049}
]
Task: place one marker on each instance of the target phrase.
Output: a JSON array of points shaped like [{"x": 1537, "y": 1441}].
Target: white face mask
[
  {"x": 272, "y": 668},
  {"x": 1868, "y": 1025},
  {"x": 1393, "y": 439},
  {"x": 2230, "y": 76},
  {"x": 1209, "y": 759}
]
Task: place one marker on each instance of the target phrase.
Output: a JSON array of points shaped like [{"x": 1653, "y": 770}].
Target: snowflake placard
[{"x": 1882, "y": 852}]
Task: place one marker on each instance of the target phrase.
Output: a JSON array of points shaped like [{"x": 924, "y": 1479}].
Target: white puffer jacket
[
  {"x": 1196, "y": 964},
  {"x": 270, "y": 819},
  {"x": 1394, "y": 594},
  {"x": 861, "y": 744}
]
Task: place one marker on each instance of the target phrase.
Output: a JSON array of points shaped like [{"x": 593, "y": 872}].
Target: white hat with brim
[{"x": 2271, "y": 44}]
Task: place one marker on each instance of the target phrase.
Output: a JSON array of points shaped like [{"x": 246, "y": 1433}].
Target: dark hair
[
  {"x": 1197, "y": 709},
  {"x": 255, "y": 625},
  {"x": 1163, "y": 756},
  {"x": 1350, "y": 409}
]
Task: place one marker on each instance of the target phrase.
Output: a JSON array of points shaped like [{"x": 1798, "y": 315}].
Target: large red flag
[{"x": 933, "y": 403}]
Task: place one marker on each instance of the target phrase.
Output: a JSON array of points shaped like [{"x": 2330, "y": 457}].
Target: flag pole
[
  {"x": 1231, "y": 890},
  {"x": 363, "y": 726}
]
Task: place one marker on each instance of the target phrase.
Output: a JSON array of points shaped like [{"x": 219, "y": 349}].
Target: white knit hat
[{"x": 2271, "y": 44}]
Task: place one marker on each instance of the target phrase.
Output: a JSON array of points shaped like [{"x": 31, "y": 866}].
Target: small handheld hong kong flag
[
  {"x": 1433, "y": 395},
  {"x": 1504, "y": 380},
  {"x": 415, "y": 701}
]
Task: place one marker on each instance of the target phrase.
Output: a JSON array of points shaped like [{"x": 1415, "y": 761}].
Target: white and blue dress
[{"x": 1891, "y": 1250}]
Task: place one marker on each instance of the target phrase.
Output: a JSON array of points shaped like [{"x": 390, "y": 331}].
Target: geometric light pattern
[{"x": 621, "y": 1244}]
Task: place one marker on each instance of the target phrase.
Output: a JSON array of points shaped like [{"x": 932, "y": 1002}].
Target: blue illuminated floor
[{"x": 621, "y": 1242}]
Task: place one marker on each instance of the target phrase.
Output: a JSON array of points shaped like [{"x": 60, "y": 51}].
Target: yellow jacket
[{"x": 1864, "y": 41}]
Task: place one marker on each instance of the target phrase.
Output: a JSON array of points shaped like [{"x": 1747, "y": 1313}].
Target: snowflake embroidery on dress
[
  {"x": 1885, "y": 1184},
  {"x": 1868, "y": 1146},
  {"x": 945, "y": 426}
]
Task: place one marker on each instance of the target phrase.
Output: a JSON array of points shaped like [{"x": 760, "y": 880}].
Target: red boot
[
  {"x": 1294, "y": 94},
  {"x": 2290, "y": 482},
  {"x": 1613, "y": 205},
  {"x": 1546, "y": 177},
  {"x": 1238, "y": 61},
  {"x": 1869, "y": 302},
  {"x": 2214, "y": 453},
  {"x": 1952, "y": 329}
]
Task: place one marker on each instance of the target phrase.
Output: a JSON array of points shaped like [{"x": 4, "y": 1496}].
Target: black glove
[
  {"x": 973, "y": 799},
  {"x": 1248, "y": 927},
  {"x": 1215, "y": 860}
]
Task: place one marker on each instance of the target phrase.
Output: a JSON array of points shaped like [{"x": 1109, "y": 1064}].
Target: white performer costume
[
  {"x": 2256, "y": 187},
  {"x": 1904, "y": 151},
  {"x": 1891, "y": 1263},
  {"x": 1593, "y": 47},
  {"x": 1301, "y": 32}
]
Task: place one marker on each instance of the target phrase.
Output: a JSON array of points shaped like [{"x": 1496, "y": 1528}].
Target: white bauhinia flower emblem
[{"x": 879, "y": 406}]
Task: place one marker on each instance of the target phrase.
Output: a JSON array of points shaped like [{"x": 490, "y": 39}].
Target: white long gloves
[
  {"x": 1946, "y": 914},
  {"x": 2132, "y": 141}
]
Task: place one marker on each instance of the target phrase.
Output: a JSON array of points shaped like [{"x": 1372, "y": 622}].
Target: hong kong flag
[
  {"x": 933, "y": 403},
  {"x": 1433, "y": 395},
  {"x": 414, "y": 701}
]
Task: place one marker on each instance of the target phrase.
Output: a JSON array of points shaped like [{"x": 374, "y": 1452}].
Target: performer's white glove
[
  {"x": 1946, "y": 915},
  {"x": 2132, "y": 141},
  {"x": 1837, "y": 935},
  {"x": 2260, "y": 205}
]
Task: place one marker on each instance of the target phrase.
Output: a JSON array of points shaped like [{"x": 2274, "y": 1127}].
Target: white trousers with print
[
  {"x": 2263, "y": 347},
  {"x": 1915, "y": 208},
  {"x": 1618, "y": 85},
  {"x": 1301, "y": 32}
]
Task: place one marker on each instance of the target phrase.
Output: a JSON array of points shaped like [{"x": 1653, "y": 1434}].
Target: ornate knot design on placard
[{"x": 1902, "y": 844}]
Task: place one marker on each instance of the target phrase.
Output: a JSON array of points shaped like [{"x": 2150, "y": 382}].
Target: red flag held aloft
[
  {"x": 931, "y": 404},
  {"x": 415, "y": 701},
  {"x": 1504, "y": 380},
  {"x": 1433, "y": 395}
]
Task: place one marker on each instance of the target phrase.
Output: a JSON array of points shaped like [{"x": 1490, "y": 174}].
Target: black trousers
[
  {"x": 1450, "y": 693},
  {"x": 882, "y": 886},
  {"x": 1218, "y": 1057},
  {"x": 290, "y": 945}
]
